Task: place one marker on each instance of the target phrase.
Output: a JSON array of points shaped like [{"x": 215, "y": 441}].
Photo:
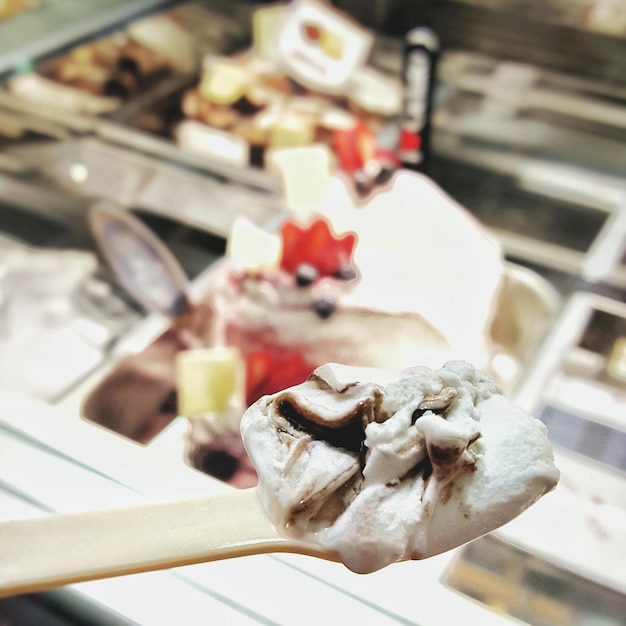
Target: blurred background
[{"x": 106, "y": 101}]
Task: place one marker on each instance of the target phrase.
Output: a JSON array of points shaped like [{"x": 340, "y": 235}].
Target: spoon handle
[{"x": 59, "y": 549}]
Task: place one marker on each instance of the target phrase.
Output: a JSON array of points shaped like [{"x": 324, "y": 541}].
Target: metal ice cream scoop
[{"x": 142, "y": 263}]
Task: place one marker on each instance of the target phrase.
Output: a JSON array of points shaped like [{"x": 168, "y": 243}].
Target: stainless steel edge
[{"x": 33, "y": 34}]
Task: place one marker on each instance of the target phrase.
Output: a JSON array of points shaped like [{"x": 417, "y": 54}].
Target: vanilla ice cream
[{"x": 385, "y": 465}]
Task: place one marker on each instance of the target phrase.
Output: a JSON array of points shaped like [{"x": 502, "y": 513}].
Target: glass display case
[{"x": 534, "y": 149}]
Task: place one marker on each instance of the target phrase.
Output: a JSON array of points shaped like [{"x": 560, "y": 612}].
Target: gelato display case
[
  {"x": 133, "y": 467},
  {"x": 89, "y": 404}
]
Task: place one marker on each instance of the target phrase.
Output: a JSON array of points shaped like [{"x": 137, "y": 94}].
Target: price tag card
[{"x": 320, "y": 47}]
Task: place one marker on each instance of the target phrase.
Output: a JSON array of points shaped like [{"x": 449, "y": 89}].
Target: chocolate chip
[
  {"x": 324, "y": 307},
  {"x": 306, "y": 274}
]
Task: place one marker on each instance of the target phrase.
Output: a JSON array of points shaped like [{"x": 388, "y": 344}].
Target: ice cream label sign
[{"x": 320, "y": 47}]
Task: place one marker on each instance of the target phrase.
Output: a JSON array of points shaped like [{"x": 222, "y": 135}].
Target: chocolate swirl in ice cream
[{"x": 383, "y": 465}]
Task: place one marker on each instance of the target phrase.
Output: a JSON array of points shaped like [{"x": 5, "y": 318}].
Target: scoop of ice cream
[{"x": 385, "y": 465}]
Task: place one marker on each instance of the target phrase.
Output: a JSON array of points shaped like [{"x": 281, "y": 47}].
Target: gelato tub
[
  {"x": 526, "y": 308},
  {"x": 285, "y": 321}
]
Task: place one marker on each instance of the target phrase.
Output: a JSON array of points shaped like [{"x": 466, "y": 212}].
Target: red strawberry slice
[
  {"x": 268, "y": 373},
  {"x": 315, "y": 245}
]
